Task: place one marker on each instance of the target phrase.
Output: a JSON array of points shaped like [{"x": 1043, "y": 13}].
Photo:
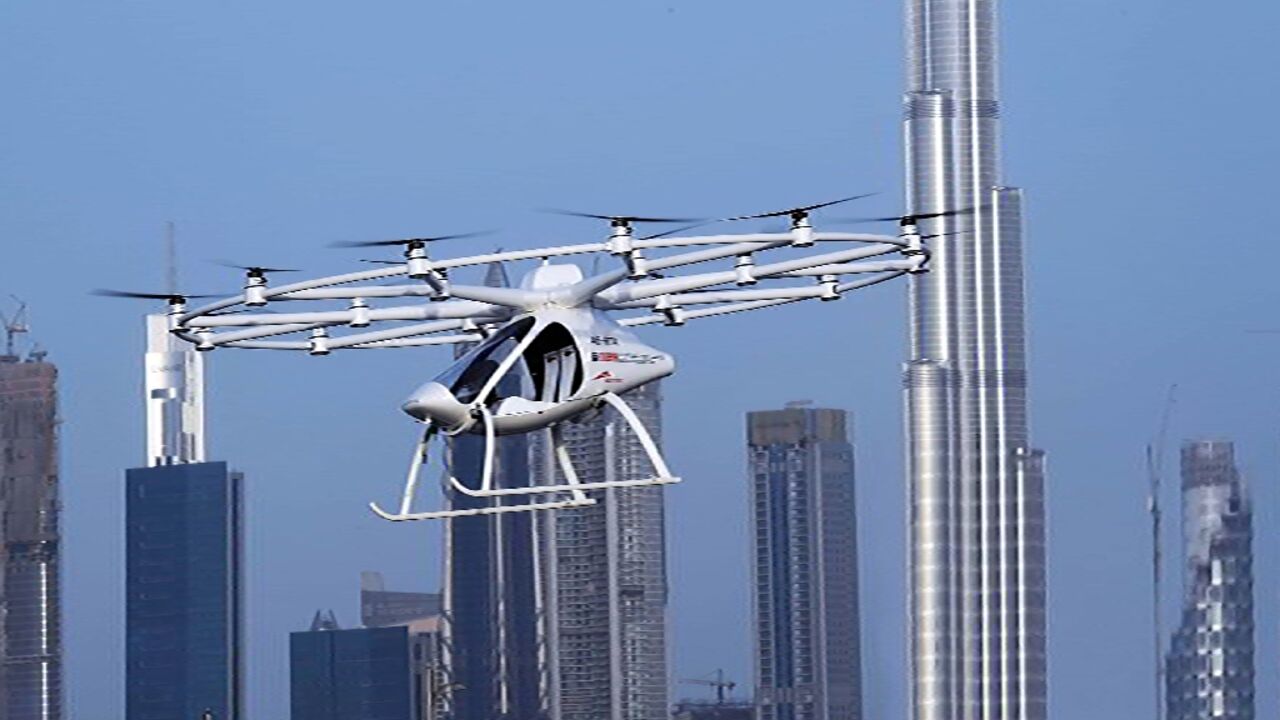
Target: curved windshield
[{"x": 467, "y": 377}]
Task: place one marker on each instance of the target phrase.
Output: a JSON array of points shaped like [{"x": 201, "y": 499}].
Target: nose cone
[{"x": 434, "y": 402}]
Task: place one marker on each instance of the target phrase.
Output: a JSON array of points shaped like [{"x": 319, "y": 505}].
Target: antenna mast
[
  {"x": 171, "y": 258},
  {"x": 1155, "y": 466}
]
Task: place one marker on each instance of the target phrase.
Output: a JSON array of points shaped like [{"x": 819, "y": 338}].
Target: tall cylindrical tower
[{"x": 976, "y": 486}]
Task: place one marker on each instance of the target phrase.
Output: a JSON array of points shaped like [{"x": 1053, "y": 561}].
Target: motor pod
[
  {"x": 319, "y": 344},
  {"x": 255, "y": 291},
  {"x": 801, "y": 230},
  {"x": 359, "y": 313},
  {"x": 744, "y": 270},
  {"x": 830, "y": 288}
]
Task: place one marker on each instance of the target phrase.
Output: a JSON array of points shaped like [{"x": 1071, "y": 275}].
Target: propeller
[
  {"x": 904, "y": 219},
  {"x": 678, "y": 230},
  {"x": 172, "y": 297},
  {"x": 257, "y": 270},
  {"x": 623, "y": 219},
  {"x": 410, "y": 242},
  {"x": 803, "y": 210}
]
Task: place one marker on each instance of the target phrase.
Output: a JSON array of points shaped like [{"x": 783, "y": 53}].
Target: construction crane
[
  {"x": 717, "y": 681},
  {"x": 1155, "y": 467},
  {"x": 14, "y": 325}
]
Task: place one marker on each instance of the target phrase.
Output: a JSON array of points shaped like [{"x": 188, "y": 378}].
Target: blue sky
[{"x": 1141, "y": 131}]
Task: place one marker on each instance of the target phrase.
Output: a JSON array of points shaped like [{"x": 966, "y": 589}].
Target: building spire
[{"x": 173, "y": 384}]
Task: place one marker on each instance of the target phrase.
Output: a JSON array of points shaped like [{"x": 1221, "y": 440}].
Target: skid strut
[{"x": 573, "y": 486}]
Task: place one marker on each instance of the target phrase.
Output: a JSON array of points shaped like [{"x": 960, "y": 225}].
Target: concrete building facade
[{"x": 31, "y": 685}]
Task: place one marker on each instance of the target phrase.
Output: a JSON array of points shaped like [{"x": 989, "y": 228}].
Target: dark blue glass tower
[
  {"x": 491, "y": 598},
  {"x": 804, "y": 521},
  {"x": 363, "y": 674},
  {"x": 184, "y": 646}
]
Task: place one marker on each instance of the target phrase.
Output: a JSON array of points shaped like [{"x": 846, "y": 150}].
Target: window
[{"x": 468, "y": 375}]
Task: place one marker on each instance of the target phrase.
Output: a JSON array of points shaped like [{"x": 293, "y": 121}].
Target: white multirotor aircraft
[{"x": 556, "y": 333}]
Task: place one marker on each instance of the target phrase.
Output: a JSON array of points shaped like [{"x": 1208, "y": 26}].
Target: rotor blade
[
  {"x": 253, "y": 268},
  {"x": 902, "y": 218},
  {"x": 407, "y": 241},
  {"x": 622, "y": 218},
  {"x": 382, "y": 262},
  {"x": 676, "y": 231},
  {"x": 104, "y": 292},
  {"x": 803, "y": 209}
]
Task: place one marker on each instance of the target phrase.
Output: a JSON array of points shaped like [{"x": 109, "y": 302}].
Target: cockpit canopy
[{"x": 549, "y": 370}]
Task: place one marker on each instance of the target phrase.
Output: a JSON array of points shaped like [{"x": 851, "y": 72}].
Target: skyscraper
[
  {"x": 1209, "y": 673},
  {"x": 390, "y": 669},
  {"x": 183, "y": 586},
  {"x": 493, "y": 618},
  {"x": 976, "y": 524},
  {"x": 30, "y": 599},
  {"x": 358, "y": 674},
  {"x": 801, "y": 473},
  {"x": 184, "y": 648},
  {"x": 604, "y": 575}
]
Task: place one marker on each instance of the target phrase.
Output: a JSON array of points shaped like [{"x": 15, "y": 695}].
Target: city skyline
[{"x": 267, "y": 132}]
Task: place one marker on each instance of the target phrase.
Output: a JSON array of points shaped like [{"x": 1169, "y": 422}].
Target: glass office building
[
  {"x": 391, "y": 672},
  {"x": 805, "y": 574},
  {"x": 360, "y": 674},
  {"x": 183, "y": 615},
  {"x": 493, "y": 618},
  {"x": 603, "y": 574}
]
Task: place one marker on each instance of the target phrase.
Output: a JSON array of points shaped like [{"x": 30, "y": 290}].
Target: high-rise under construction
[
  {"x": 976, "y": 524},
  {"x": 1210, "y": 666},
  {"x": 30, "y": 599}
]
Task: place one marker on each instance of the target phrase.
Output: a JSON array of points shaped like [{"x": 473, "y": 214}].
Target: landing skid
[{"x": 575, "y": 488}]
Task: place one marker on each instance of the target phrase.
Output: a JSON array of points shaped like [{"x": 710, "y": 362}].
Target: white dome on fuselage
[{"x": 548, "y": 277}]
